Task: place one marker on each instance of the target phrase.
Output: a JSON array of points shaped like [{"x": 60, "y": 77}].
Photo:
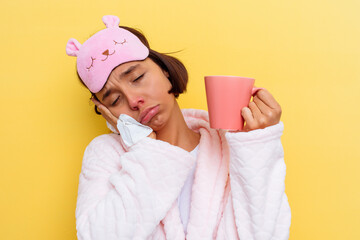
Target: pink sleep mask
[{"x": 104, "y": 51}]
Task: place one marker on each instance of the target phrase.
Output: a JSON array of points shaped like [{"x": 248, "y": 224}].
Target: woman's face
[{"x": 140, "y": 90}]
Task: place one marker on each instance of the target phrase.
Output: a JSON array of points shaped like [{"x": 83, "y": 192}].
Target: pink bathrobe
[{"x": 238, "y": 190}]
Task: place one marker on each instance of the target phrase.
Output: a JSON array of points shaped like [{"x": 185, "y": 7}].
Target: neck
[{"x": 177, "y": 133}]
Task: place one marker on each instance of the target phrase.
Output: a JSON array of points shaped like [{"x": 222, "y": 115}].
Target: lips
[{"x": 148, "y": 114}]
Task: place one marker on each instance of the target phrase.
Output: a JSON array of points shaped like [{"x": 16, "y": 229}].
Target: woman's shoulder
[
  {"x": 109, "y": 138},
  {"x": 106, "y": 144},
  {"x": 102, "y": 155}
]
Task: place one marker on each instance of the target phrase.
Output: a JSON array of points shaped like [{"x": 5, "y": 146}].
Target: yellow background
[{"x": 306, "y": 53}]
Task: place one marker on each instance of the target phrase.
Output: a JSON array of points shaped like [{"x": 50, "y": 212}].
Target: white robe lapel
[{"x": 209, "y": 184}]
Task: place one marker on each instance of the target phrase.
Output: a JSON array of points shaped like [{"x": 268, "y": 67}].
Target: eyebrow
[
  {"x": 106, "y": 94},
  {"x": 122, "y": 75},
  {"x": 129, "y": 70}
]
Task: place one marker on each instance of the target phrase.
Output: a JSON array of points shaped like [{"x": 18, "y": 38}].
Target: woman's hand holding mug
[
  {"x": 263, "y": 111},
  {"x": 228, "y": 100}
]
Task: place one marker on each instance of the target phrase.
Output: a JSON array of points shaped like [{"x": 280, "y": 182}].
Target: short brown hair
[{"x": 178, "y": 75}]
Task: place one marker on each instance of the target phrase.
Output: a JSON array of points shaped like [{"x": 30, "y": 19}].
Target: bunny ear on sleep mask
[
  {"x": 104, "y": 51},
  {"x": 111, "y": 21},
  {"x": 73, "y": 47}
]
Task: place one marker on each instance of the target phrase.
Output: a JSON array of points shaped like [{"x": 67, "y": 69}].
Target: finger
[
  {"x": 255, "y": 110},
  {"x": 264, "y": 109},
  {"x": 96, "y": 102},
  {"x": 152, "y": 135},
  {"x": 100, "y": 106},
  {"x": 248, "y": 119},
  {"x": 267, "y": 98},
  {"x": 105, "y": 112},
  {"x": 248, "y": 116}
]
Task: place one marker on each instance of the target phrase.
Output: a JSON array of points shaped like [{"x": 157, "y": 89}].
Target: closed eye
[
  {"x": 116, "y": 100},
  {"x": 138, "y": 78},
  {"x": 92, "y": 62}
]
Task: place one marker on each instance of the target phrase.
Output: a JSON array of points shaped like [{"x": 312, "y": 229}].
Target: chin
[
  {"x": 156, "y": 127},
  {"x": 157, "y": 123}
]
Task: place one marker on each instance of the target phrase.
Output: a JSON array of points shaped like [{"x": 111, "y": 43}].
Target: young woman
[{"x": 185, "y": 180}]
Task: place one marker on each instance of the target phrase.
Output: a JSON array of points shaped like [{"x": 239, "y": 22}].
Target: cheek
[
  {"x": 116, "y": 111},
  {"x": 160, "y": 89}
]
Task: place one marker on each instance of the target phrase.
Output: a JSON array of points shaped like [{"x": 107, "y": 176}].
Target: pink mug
[{"x": 226, "y": 96}]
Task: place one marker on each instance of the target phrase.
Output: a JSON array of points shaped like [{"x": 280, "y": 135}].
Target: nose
[
  {"x": 106, "y": 52},
  {"x": 135, "y": 102}
]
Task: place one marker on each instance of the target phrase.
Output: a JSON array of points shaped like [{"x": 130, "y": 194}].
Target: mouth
[{"x": 148, "y": 114}]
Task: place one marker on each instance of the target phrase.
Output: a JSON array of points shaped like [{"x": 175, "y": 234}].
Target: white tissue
[
  {"x": 111, "y": 127},
  {"x": 131, "y": 131}
]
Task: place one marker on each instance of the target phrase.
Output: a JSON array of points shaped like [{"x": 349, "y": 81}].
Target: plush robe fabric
[{"x": 238, "y": 190}]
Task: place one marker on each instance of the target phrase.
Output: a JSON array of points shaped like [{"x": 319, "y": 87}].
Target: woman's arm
[
  {"x": 257, "y": 178},
  {"x": 126, "y": 195},
  {"x": 257, "y": 172}
]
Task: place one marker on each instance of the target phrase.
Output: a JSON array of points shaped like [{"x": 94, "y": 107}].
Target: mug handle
[{"x": 255, "y": 90}]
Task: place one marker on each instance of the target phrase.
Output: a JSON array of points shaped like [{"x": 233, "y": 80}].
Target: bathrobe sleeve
[
  {"x": 126, "y": 195},
  {"x": 257, "y": 178}
]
